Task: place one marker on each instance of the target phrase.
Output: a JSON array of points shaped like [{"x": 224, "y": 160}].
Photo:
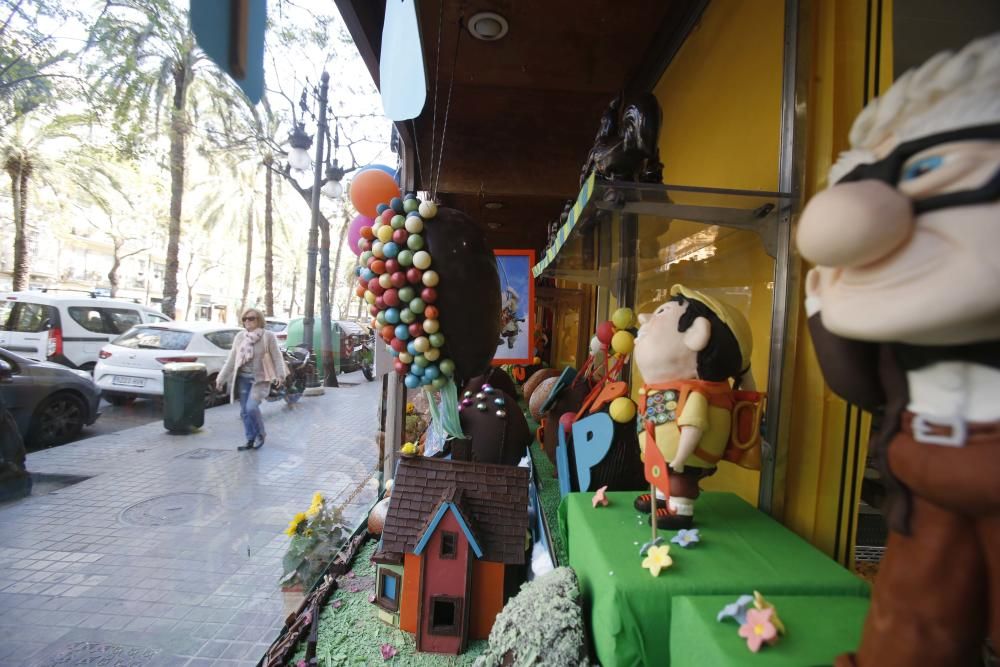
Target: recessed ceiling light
[
  {"x": 488, "y": 26},
  {"x": 494, "y": 225},
  {"x": 494, "y": 205}
]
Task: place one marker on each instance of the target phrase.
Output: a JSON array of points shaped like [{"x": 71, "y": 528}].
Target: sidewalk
[{"x": 169, "y": 554}]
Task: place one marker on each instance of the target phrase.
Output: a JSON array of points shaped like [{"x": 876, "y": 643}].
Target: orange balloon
[{"x": 371, "y": 188}]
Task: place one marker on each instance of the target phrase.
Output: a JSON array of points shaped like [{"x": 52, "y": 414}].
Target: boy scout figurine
[
  {"x": 687, "y": 351},
  {"x": 904, "y": 310}
]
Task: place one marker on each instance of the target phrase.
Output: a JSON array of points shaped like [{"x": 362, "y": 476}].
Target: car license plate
[{"x": 129, "y": 381}]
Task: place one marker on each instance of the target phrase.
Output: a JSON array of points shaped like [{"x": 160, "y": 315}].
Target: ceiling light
[
  {"x": 494, "y": 205},
  {"x": 488, "y": 26},
  {"x": 494, "y": 225}
]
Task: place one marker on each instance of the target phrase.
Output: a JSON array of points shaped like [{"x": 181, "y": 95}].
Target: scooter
[{"x": 298, "y": 361}]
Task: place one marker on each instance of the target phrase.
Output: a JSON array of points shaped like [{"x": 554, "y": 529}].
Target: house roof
[{"x": 492, "y": 500}]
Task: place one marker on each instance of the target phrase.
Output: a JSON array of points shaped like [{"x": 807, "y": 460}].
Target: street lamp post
[{"x": 310, "y": 305}]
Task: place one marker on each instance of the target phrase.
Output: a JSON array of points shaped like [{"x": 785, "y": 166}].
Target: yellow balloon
[
  {"x": 622, "y": 410},
  {"x": 622, "y": 318},
  {"x": 622, "y": 342},
  {"x": 384, "y": 233}
]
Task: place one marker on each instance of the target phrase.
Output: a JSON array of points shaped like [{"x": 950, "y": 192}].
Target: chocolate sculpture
[{"x": 625, "y": 147}]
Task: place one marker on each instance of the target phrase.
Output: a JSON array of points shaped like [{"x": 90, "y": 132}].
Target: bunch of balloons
[
  {"x": 614, "y": 334},
  {"x": 396, "y": 279}
]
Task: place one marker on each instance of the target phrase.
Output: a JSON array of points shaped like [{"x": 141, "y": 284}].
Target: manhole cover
[
  {"x": 172, "y": 509},
  {"x": 202, "y": 454},
  {"x": 105, "y": 655}
]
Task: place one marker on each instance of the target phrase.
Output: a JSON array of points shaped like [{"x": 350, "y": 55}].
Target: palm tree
[{"x": 149, "y": 65}]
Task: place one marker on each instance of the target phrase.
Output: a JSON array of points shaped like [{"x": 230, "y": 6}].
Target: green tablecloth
[
  {"x": 819, "y": 628},
  {"x": 742, "y": 550}
]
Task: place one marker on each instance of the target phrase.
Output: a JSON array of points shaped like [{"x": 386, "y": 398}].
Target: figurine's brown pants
[{"x": 937, "y": 592}]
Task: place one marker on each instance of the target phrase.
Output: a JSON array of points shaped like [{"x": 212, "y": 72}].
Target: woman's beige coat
[{"x": 267, "y": 344}]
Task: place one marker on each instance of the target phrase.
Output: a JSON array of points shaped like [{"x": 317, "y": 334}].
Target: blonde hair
[
  {"x": 260, "y": 316},
  {"x": 949, "y": 91}
]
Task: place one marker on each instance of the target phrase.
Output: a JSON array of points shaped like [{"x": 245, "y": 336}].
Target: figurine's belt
[{"x": 948, "y": 431}]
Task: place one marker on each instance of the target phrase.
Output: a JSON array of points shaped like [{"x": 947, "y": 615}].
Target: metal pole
[{"x": 310, "y": 305}]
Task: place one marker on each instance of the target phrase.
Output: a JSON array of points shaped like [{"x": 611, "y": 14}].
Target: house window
[
  {"x": 388, "y": 590},
  {"x": 449, "y": 545},
  {"x": 446, "y": 614}
]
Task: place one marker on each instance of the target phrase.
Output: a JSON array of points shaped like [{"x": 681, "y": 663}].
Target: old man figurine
[{"x": 904, "y": 308}]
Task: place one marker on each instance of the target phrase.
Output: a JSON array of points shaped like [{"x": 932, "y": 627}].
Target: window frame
[
  {"x": 453, "y": 554},
  {"x": 454, "y": 630},
  {"x": 384, "y": 602}
]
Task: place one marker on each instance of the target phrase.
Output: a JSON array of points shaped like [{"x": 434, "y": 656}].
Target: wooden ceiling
[{"x": 524, "y": 109}]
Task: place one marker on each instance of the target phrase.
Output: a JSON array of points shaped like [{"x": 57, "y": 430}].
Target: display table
[
  {"x": 741, "y": 550},
  {"x": 819, "y": 628}
]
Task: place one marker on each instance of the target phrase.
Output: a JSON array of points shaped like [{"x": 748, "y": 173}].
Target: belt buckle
[{"x": 921, "y": 427}]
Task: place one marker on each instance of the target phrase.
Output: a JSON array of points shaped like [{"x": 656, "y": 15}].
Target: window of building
[
  {"x": 449, "y": 545},
  {"x": 388, "y": 590},
  {"x": 446, "y": 614}
]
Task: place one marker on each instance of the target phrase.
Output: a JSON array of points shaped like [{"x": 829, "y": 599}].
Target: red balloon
[
  {"x": 414, "y": 275},
  {"x": 380, "y": 303},
  {"x": 605, "y": 331},
  {"x": 372, "y": 284},
  {"x": 398, "y": 279},
  {"x": 373, "y": 309},
  {"x": 391, "y": 266},
  {"x": 416, "y": 330},
  {"x": 429, "y": 295},
  {"x": 361, "y": 247},
  {"x": 367, "y": 233},
  {"x": 387, "y": 215},
  {"x": 431, "y": 312},
  {"x": 370, "y": 188},
  {"x": 400, "y": 367},
  {"x": 398, "y": 344},
  {"x": 391, "y": 297},
  {"x": 566, "y": 421},
  {"x": 388, "y": 331},
  {"x": 378, "y": 266},
  {"x": 399, "y": 236}
]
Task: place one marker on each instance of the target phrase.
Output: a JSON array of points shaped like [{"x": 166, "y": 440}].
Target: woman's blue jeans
[{"x": 253, "y": 420}]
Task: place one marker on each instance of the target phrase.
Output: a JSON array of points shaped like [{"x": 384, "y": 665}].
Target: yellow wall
[{"x": 721, "y": 99}]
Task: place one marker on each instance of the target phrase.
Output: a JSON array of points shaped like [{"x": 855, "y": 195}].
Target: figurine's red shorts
[{"x": 937, "y": 592}]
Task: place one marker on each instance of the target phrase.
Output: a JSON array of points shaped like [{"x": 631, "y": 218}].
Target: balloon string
[{"x": 446, "y": 415}]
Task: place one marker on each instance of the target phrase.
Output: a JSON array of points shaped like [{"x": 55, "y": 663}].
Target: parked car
[
  {"x": 352, "y": 343},
  {"x": 132, "y": 364},
  {"x": 65, "y": 327},
  {"x": 279, "y": 327},
  {"x": 49, "y": 402}
]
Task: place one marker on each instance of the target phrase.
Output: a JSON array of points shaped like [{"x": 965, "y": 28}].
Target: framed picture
[{"x": 517, "y": 307}]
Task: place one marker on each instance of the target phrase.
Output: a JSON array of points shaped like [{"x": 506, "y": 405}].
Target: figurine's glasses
[{"x": 890, "y": 169}]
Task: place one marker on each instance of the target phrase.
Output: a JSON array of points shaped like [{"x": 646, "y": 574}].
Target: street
[{"x": 140, "y": 547}]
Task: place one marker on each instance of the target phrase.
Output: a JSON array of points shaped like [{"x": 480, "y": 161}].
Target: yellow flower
[
  {"x": 317, "y": 498},
  {"x": 761, "y": 603},
  {"x": 657, "y": 558},
  {"x": 410, "y": 408},
  {"x": 293, "y": 527},
  {"x": 313, "y": 511}
]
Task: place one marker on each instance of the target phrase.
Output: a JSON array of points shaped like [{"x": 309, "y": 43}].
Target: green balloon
[
  {"x": 405, "y": 258},
  {"x": 420, "y": 360},
  {"x": 365, "y": 256},
  {"x": 407, "y": 316},
  {"x": 380, "y": 318},
  {"x": 397, "y": 222},
  {"x": 439, "y": 382},
  {"x": 410, "y": 205},
  {"x": 436, "y": 339},
  {"x": 447, "y": 367},
  {"x": 415, "y": 242},
  {"x": 417, "y": 305},
  {"x": 407, "y": 294}
]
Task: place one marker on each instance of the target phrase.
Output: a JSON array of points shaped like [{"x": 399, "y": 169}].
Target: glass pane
[
  {"x": 122, "y": 320},
  {"x": 6, "y": 308},
  {"x": 223, "y": 339},
  {"x": 388, "y": 586},
  {"x": 153, "y": 338},
  {"x": 89, "y": 318},
  {"x": 32, "y": 317}
]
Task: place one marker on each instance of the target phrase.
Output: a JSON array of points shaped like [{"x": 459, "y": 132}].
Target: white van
[{"x": 66, "y": 327}]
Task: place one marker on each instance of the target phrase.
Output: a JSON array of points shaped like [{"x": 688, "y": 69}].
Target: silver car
[{"x": 49, "y": 402}]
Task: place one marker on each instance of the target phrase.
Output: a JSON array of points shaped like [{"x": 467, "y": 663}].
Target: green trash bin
[{"x": 184, "y": 396}]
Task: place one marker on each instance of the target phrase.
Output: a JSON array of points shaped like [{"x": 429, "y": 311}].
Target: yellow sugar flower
[
  {"x": 657, "y": 558},
  {"x": 761, "y": 603}
]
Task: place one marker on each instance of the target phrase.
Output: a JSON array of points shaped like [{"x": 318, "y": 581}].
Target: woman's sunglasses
[{"x": 250, "y": 319}]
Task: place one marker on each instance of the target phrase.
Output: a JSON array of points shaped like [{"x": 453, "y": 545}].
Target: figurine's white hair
[{"x": 949, "y": 91}]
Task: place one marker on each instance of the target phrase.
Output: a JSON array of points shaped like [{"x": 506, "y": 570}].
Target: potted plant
[{"x": 317, "y": 534}]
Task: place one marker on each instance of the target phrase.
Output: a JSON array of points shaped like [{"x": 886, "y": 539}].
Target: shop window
[
  {"x": 445, "y": 615},
  {"x": 388, "y": 590},
  {"x": 449, "y": 545}
]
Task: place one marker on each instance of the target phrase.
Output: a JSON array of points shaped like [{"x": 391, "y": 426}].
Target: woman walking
[{"x": 254, "y": 362}]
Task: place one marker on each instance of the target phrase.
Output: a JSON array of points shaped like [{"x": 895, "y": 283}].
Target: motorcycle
[
  {"x": 359, "y": 355},
  {"x": 298, "y": 361}
]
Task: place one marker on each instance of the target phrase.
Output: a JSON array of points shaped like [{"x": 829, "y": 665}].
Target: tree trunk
[
  {"x": 178, "y": 136},
  {"x": 295, "y": 284},
  {"x": 19, "y": 169},
  {"x": 116, "y": 262},
  {"x": 249, "y": 260},
  {"x": 336, "y": 261},
  {"x": 268, "y": 238},
  {"x": 329, "y": 354}
]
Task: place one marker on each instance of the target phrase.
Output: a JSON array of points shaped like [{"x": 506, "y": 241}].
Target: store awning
[{"x": 563, "y": 234}]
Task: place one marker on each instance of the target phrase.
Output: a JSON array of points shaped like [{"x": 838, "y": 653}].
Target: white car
[
  {"x": 132, "y": 364},
  {"x": 66, "y": 327},
  {"x": 279, "y": 327}
]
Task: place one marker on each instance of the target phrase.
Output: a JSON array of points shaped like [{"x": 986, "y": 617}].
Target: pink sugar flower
[
  {"x": 758, "y": 629},
  {"x": 388, "y": 651}
]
